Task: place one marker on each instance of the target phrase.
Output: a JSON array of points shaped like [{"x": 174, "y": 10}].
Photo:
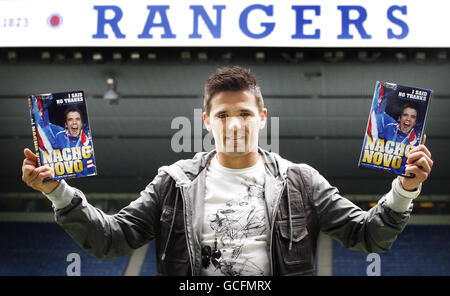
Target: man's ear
[
  {"x": 263, "y": 121},
  {"x": 207, "y": 122}
]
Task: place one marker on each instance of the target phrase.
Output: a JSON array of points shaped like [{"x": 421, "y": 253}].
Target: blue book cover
[
  {"x": 62, "y": 135},
  {"x": 395, "y": 126}
]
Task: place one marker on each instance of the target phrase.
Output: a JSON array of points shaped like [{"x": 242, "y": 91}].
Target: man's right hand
[{"x": 33, "y": 175}]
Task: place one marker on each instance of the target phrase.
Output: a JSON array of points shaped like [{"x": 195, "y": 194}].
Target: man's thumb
[
  {"x": 424, "y": 139},
  {"x": 29, "y": 155}
]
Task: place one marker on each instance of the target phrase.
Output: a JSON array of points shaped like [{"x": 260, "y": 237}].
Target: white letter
[
  {"x": 374, "y": 268},
  {"x": 74, "y": 268},
  {"x": 198, "y": 130},
  {"x": 184, "y": 134},
  {"x": 274, "y": 136}
]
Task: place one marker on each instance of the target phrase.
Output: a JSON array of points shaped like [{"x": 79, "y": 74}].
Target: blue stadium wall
[
  {"x": 420, "y": 250},
  {"x": 30, "y": 249}
]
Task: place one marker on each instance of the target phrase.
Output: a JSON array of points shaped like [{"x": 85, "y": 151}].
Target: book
[
  {"x": 62, "y": 135},
  {"x": 395, "y": 126}
]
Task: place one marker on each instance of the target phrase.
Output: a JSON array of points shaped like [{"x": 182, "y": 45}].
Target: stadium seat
[
  {"x": 418, "y": 251},
  {"x": 31, "y": 249}
]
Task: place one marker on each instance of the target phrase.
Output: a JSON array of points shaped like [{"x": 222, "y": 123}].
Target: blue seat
[
  {"x": 149, "y": 265},
  {"x": 418, "y": 250},
  {"x": 28, "y": 249}
]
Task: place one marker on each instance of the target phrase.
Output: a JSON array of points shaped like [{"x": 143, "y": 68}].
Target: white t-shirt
[{"x": 234, "y": 240}]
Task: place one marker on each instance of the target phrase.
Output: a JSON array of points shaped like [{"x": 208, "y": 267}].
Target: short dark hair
[
  {"x": 231, "y": 79},
  {"x": 410, "y": 105},
  {"x": 72, "y": 109}
]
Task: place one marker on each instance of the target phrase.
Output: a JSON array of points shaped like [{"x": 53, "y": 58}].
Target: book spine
[
  {"x": 426, "y": 116},
  {"x": 34, "y": 131}
]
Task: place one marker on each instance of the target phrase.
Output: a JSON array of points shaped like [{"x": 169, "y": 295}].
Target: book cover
[
  {"x": 395, "y": 126},
  {"x": 62, "y": 135}
]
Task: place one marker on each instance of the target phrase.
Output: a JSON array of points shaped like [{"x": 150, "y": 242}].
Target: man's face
[
  {"x": 408, "y": 119},
  {"x": 235, "y": 121},
  {"x": 73, "y": 123}
]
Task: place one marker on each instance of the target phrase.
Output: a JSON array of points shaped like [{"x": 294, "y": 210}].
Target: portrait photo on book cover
[
  {"x": 63, "y": 134},
  {"x": 395, "y": 126}
]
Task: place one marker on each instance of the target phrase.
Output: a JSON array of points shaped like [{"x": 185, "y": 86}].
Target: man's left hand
[{"x": 419, "y": 163}]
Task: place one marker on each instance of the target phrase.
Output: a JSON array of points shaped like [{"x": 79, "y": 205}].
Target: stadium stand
[
  {"x": 420, "y": 250},
  {"x": 149, "y": 264},
  {"x": 31, "y": 249},
  {"x": 321, "y": 107},
  {"x": 41, "y": 249}
]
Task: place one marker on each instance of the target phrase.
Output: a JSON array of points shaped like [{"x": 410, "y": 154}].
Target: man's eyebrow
[
  {"x": 246, "y": 110},
  {"x": 220, "y": 112},
  {"x": 240, "y": 111}
]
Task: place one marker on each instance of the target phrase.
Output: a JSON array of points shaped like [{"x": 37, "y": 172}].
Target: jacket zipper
[
  {"x": 185, "y": 228},
  {"x": 273, "y": 225}
]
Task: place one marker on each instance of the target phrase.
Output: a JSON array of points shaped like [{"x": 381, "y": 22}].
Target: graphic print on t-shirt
[{"x": 239, "y": 220}]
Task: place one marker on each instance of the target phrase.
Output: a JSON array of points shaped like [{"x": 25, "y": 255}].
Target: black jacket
[{"x": 300, "y": 203}]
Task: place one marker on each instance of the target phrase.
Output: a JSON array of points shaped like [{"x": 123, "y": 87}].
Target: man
[
  {"x": 238, "y": 210},
  {"x": 52, "y": 136},
  {"x": 384, "y": 126},
  {"x": 73, "y": 134},
  {"x": 408, "y": 118}
]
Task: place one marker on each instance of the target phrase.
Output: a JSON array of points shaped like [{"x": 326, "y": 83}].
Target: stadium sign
[{"x": 216, "y": 23}]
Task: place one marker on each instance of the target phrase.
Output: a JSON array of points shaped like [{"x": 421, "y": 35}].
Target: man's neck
[
  {"x": 73, "y": 137},
  {"x": 238, "y": 162}
]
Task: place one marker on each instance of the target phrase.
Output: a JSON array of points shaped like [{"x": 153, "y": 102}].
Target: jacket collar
[{"x": 187, "y": 170}]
